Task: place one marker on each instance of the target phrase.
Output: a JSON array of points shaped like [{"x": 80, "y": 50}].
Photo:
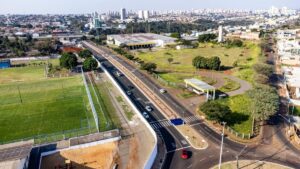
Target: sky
[{"x": 88, "y": 6}]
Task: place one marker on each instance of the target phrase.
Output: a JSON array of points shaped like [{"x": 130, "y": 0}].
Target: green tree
[
  {"x": 265, "y": 102},
  {"x": 200, "y": 62},
  {"x": 170, "y": 60},
  {"x": 150, "y": 67},
  {"x": 263, "y": 69},
  {"x": 68, "y": 60},
  {"x": 85, "y": 53},
  {"x": 214, "y": 63},
  {"x": 207, "y": 37},
  {"x": 215, "y": 111},
  {"x": 90, "y": 64},
  {"x": 175, "y": 35}
]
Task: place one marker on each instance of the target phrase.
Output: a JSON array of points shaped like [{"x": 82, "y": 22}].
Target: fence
[
  {"x": 90, "y": 101},
  {"x": 164, "y": 81},
  {"x": 48, "y": 138},
  {"x": 240, "y": 135}
]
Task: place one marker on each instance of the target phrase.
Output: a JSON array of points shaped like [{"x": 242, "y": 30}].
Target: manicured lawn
[
  {"x": 229, "y": 85},
  {"x": 44, "y": 106},
  {"x": 22, "y": 74},
  {"x": 241, "y": 116},
  {"x": 296, "y": 110}
]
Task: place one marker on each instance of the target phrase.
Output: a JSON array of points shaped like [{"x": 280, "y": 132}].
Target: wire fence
[
  {"x": 246, "y": 136},
  {"x": 90, "y": 100},
  {"x": 156, "y": 76}
]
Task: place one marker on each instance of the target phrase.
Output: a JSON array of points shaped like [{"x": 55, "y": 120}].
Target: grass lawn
[
  {"x": 241, "y": 116},
  {"x": 229, "y": 85},
  {"x": 183, "y": 58},
  {"x": 40, "y": 107},
  {"x": 22, "y": 74},
  {"x": 105, "y": 109}
]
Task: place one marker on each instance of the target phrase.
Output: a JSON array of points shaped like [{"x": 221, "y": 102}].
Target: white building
[
  {"x": 146, "y": 14},
  {"x": 140, "y": 40},
  {"x": 220, "y": 37},
  {"x": 141, "y": 14},
  {"x": 123, "y": 14}
]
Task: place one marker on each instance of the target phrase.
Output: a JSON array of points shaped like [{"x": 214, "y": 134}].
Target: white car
[
  {"x": 145, "y": 115},
  {"x": 162, "y": 91},
  {"x": 148, "y": 108}
]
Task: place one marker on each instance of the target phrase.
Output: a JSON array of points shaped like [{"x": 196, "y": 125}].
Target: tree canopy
[
  {"x": 90, "y": 64},
  {"x": 68, "y": 60},
  {"x": 85, "y": 53},
  {"x": 215, "y": 111},
  {"x": 212, "y": 63},
  {"x": 207, "y": 37},
  {"x": 265, "y": 102},
  {"x": 150, "y": 67}
]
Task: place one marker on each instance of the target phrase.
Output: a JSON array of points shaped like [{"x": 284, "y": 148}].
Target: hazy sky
[{"x": 87, "y": 6}]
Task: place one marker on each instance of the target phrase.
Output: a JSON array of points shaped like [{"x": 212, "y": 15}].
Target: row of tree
[
  {"x": 212, "y": 63},
  {"x": 69, "y": 60}
]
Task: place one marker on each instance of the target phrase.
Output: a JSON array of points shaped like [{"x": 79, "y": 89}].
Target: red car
[{"x": 184, "y": 154}]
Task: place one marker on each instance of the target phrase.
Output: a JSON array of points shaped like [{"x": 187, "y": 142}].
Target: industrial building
[{"x": 140, "y": 40}]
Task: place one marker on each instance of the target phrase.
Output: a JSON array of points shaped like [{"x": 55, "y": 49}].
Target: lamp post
[
  {"x": 221, "y": 150},
  {"x": 237, "y": 157}
]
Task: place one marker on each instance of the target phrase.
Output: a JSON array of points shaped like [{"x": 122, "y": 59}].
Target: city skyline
[{"x": 79, "y": 7}]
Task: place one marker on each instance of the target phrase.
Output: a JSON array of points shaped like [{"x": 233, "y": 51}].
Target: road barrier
[{"x": 153, "y": 154}]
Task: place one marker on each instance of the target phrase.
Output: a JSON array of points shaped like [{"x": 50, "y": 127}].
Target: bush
[
  {"x": 212, "y": 63},
  {"x": 215, "y": 111},
  {"x": 150, "y": 67},
  {"x": 207, "y": 37},
  {"x": 262, "y": 79},
  {"x": 90, "y": 64},
  {"x": 263, "y": 69},
  {"x": 85, "y": 53}
]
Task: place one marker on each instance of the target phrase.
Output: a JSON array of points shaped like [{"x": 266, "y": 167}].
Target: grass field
[
  {"x": 229, "y": 85},
  {"x": 239, "y": 105},
  {"x": 38, "y": 106}
]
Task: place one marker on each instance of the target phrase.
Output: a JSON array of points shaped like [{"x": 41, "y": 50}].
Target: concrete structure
[
  {"x": 220, "y": 37},
  {"x": 146, "y": 14},
  {"x": 4, "y": 64},
  {"x": 123, "y": 15},
  {"x": 140, "y": 40},
  {"x": 250, "y": 35},
  {"x": 15, "y": 155},
  {"x": 200, "y": 87},
  {"x": 141, "y": 14}
]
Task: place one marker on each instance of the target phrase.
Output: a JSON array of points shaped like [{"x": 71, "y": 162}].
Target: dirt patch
[
  {"x": 192, "y": 136},
  {"x": 102, "y": 156}
]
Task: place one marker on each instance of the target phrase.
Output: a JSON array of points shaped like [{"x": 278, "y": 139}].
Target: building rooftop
[
  {"x": 198, "y": 84},
  {"x": 15, "y": 151}
]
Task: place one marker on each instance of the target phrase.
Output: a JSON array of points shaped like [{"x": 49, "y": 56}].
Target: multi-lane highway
[{"x": 284, "y": 153}]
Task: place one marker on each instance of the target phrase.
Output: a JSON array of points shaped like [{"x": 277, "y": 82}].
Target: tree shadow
[{"x": 236, "y": 118}]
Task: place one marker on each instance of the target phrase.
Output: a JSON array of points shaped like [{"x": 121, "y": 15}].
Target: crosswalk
[
  {"x": 167, "y": 123},
  {"x": 160, "y": 124}
]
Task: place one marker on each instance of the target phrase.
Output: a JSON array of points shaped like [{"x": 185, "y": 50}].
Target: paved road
[{"x": 283, "y": 153}]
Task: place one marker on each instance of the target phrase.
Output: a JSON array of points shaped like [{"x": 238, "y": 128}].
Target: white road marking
[{"x": 179, "y": 149}]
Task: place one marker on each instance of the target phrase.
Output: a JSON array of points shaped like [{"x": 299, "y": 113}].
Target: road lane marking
[{"x": 178, "y": 149}]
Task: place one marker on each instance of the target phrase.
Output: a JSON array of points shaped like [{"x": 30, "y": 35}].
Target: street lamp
[
  {"x": 237, "y": 157},
  {"x": 221, "y": 150}
]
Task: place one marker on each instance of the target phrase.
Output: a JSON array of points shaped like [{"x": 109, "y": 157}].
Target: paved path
[{"x": 245, "y": 86}]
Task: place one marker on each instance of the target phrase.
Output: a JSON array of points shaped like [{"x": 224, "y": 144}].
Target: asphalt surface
[{"x": 286, "y": 155}]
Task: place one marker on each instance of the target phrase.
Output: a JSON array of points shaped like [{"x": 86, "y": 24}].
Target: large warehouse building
[{"x": 140, "y": 40}]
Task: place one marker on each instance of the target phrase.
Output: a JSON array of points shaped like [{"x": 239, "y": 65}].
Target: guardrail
[{"x": 153, "y": 154}]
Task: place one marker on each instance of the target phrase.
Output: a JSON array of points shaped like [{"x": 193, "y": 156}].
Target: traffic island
[
  {"x": 250, "y": 164},
  {"x": 192, "y": 137}
]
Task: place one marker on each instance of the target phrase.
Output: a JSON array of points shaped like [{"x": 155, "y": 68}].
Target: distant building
[
  {"x": 220, "y": 38},
  {"x": 123, "y": 14},
  {"x": 141, "y": 14},
  {"x": 146, "y": 14},
  {"x": 140, "y": 40},
  {"x": 250, "y": 35},
  {"x": 4, "y": 64}
]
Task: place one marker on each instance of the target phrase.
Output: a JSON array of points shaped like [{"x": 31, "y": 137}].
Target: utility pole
[
  {"x": 221, "y": 150},
  {"x": 237, "y": 157}
]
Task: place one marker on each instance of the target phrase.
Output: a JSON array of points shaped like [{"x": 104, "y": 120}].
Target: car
[
  {"x": 145, "y": 115},
  {"x": 148, "y": 108},
  {"x": 162, "y": 91},
  {"x": 184, "y": 154},
  {"x": 118, "y": 73},
  {"x": 128, "y": 93}
]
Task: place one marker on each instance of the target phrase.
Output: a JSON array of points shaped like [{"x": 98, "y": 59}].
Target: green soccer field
[{"x": 39, "y": 106}]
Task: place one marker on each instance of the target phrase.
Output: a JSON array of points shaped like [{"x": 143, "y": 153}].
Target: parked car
[
  {"x": 118, "y": 73},
  {"x": 128, "y": 93},
  {"x": 148, "y": 108}
]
